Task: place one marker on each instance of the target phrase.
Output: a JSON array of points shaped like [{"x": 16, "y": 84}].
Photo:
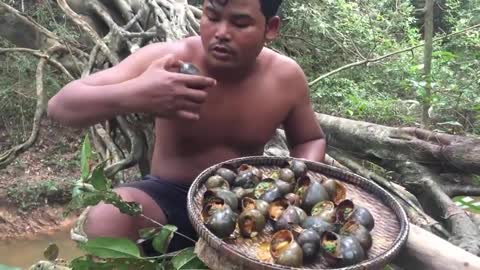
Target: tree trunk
[
  {"x": 24, "y": 32},
  {"x": 427, "y": 62}
]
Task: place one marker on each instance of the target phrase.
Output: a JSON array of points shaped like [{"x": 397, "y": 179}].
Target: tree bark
[
  {"x": 379, "y": 143},
  {"x": 427, "y": 62},
  {"x": 24, "y": 32}
]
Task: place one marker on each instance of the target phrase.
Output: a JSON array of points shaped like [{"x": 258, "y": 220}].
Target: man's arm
[
  {"x": 137, "y": 84},
  {"x": 304, "y": 135}
]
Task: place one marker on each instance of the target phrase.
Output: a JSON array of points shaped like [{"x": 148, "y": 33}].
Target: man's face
[{"x": 233, "y": 34}]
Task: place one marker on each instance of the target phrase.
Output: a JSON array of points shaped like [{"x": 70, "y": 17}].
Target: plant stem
[{"x": 161, "y": 225}]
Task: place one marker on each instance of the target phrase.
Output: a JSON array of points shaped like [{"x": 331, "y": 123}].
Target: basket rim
[{"x": 220, "y": 246}]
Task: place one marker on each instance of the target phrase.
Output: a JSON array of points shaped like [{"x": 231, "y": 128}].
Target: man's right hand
[{"x": 165, "y": 93}]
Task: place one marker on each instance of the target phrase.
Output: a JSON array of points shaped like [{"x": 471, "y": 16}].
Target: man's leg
[{"x": 105, "y": 220}]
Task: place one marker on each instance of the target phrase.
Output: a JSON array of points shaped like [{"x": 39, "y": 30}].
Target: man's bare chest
[{"x": 246, "y": 120}]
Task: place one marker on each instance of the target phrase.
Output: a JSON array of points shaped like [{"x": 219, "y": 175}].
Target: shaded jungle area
[{"x": 391, "y": 66}]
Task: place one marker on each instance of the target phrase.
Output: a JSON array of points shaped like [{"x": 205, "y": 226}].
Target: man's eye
[
  {"x": 212, "y": 17},
  {"x": 241, "y": 24}
]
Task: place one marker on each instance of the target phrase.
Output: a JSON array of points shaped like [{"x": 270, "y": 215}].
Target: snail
[
  {"x": 227, "y": 174},
  {"x": 251, "y": 223},
  {"x": 309, "y": 240},
  {"x": 189, "y": 68},
  {"x": 325, "y": 210},
  {"x": 311, "y": 192},
  {"x": 336, "y": 191},
  {"x": 285, "y": 250},
  {"x": 341, "y": 250}
]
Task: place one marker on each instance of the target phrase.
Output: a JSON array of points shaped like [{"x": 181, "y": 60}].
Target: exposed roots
[{"x": 10, "y": 155}]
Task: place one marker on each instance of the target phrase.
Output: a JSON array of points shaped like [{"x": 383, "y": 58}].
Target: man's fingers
[
  {"x": 197, "y": 96},
  {"x": 187, "y": 105},
  {"x": 187, "y": 115},
  {"x": 195, "y": 81}
]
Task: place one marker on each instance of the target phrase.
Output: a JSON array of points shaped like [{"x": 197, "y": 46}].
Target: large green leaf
[
  {"x": 162, "y": 239},
  {"x": 187, "y": 259},
  {"x": 85, "y": 157},
  {"x": 98, "y": 178},
  {"x": 107, "y": 247}
]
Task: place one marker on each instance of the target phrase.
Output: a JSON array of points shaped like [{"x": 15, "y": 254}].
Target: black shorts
[{"x": 172, "y": 199}]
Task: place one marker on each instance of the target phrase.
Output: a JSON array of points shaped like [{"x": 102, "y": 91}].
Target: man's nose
[{"x": 223, "y": 32}]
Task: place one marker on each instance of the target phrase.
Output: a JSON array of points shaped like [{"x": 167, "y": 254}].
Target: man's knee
[{"x": 106, "y": 220}]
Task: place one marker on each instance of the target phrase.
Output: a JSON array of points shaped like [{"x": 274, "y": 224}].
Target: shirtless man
[{"x": 245, "y": 93}]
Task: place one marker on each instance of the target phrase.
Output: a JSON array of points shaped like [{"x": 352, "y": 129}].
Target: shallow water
[{"x": 24, "y": 253}]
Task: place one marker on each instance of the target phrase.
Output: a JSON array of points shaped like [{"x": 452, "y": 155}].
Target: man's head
[{"x": 234, "y": 31}]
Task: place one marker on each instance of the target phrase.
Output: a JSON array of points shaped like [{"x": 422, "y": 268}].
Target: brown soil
[{"x": 54, "y": 158}]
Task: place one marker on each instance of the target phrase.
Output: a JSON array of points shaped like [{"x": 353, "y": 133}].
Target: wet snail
[
  {"x": 309, "y": 217},
  {"x": 189, "y": 68}
]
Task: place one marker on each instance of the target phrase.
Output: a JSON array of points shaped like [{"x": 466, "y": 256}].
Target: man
[{"x": 232, "y": 110}]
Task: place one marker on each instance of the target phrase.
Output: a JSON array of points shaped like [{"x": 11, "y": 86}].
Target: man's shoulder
[
  {"x": 284, "y": 68},
  {"x": 180, "y": 48}
]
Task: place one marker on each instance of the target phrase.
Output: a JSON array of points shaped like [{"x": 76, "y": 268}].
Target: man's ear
[{"x": 273, "y": 28}]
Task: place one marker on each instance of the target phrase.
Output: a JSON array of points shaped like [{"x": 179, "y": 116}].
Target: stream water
[{"x": 24, "y": 253}]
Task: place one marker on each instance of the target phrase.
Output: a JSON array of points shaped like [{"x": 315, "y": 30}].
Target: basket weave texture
[{"x": 389, "y": 234}]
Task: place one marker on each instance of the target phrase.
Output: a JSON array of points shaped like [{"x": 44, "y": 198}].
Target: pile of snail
[{"x": 310, "y": 217}]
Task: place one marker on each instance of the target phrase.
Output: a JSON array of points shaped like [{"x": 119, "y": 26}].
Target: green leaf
[
  {"x": 90, "y": 198},
  {"x": 187, "y": 259},
  {"x": 147, "y": 233},
  {"x": 5, "y": 267},
  {"x": 98, "y": 178},
  {"x": 129, "y": 208},
  {"x": 107, "y": 247},
  {"x": 162, "y": 239},
  {"x": 51, "y": 252},
  {"x": 85, "y": 158}
]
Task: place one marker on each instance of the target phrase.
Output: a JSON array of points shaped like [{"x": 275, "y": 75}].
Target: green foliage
[
  {"x": 325, "y": 35},
  {"x": 120, "y": 253},
  {"x": 28, "y": 197}
]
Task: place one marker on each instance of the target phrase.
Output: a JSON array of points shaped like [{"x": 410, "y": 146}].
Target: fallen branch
[{"x": 377, "y": 59}]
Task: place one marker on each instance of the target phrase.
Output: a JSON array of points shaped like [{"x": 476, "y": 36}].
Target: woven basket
[{"x": 389, "y": 234}]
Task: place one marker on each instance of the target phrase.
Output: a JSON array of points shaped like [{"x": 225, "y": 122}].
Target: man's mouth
[{"x": 221, "y": 52}]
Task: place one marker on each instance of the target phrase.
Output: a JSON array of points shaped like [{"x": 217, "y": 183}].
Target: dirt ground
[{"x": 54, "y": 158}]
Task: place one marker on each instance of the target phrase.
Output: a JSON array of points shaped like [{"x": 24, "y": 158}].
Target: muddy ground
[{"x": 49, "y": 164}]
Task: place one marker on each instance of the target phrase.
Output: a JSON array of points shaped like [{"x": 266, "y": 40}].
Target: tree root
[
  {"x": 10, "y": 155},
  {"x": 38, "y": 53},
  {"x": 464, "y": 232},
  {"x": 91, "y": 33},
  {"x": 454, "y": 190}
]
